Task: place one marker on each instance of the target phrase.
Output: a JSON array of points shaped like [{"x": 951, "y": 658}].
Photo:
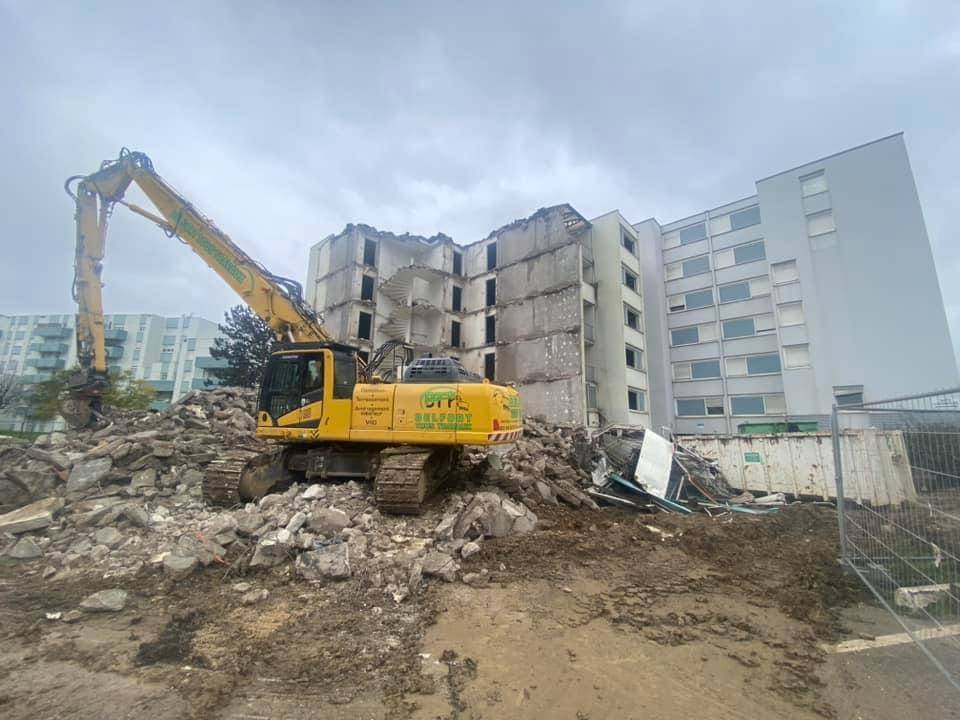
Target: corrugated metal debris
[{"x": 642, "y": 470}]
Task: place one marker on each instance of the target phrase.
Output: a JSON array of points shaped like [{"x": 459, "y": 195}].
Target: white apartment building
[
  {"x": 819, "y": 288},
  {"x": 172, "y": 354},
  {"x": 760, "y": 313}
]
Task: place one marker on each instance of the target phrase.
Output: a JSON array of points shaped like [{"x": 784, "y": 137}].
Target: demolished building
[{"x": 735, "y": 319}]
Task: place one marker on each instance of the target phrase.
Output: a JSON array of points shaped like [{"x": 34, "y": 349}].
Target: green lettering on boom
[{"x": 184, "y": 226}]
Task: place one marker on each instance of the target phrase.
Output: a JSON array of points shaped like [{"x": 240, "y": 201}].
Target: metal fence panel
[{"x": 907, "y": 550}]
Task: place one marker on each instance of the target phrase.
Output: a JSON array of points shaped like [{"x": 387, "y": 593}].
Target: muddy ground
[{"x": 595, "y": 615}]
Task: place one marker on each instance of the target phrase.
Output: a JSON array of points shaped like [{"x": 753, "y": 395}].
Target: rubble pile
[
  {"x": 544, "y": 466},
  {"x": 127, "y": 499}
]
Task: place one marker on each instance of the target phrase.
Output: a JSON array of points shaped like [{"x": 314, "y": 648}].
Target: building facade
[
  {"x": 818, "y": 288},
  {"x": 172, "y": 354},
  {"x": 511, "y": 307}
]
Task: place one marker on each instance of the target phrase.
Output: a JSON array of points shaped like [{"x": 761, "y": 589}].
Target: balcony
[
  {"x": 207, "y": 363},
  {"x": 48, "y": 363},
  {"x": 161, "y": 385},
  {"x": 114, "y": 336},
  {"x": 114, "y": 352},
  {"x": 203, "y": 383},
  {"x": 53, "y": 332},
  {"x": 53, "y": 348},
  {"x": 34, "y": 379}
]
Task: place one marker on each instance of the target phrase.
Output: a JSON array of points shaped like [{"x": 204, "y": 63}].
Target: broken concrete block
[
  {"x": 142, "y": 479},
  {"x": 25, "y": 549},
  {"x": 247, "y": 522},
  {"x": 313, "y": 492},
  {"x": 254, "y": 596},
  {"x": 109, "y": 536},
  {"x": 136, "y": 515},
  {"x": 441, "y": 565},
  {"x": 57, "y": 459},
  {"x": 296, "y": 522},
  {"x": 105, "y": 601},
  {"x": 31, "y": 517},
  {"x": 87, "y": 474},
  {"x": 468, "y": 549},
  {"x": 179, "y": 566},
  {"x": 328, "y": 521},
  {"x": 331, "y": 562},
  {"x": 274, "y": 548},
  {"x": 918, "y": 597},
  {"x": 444, "y": 529}
]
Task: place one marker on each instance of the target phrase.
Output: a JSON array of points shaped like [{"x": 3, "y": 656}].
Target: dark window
[
  {"x": 363, "y": 327},
  {"x": 490, "y": 366},
  {"x": 685, "y": 336},
  {"x": 491, "y": 292},
  {"x": 634, "y": 358},
  {"x": 690, "y": 408},
  {"x": 692, "y": 234},
  {"x": 745, "y": 218},
  {"x": 763, "y": 364},
  {"x": 699, "y": 299},
  {"x": 696, "y": 266},
  {"x": 747, "y": 405},
  {"x": 491, "y": 255},
  {"x": 454, "y": 334},
  {"x": 457, "y": 298},
  {"x": 631, "y": 317},
  {"x": 742, "y": 327},
  {"x": 363, "y": 355},
  {"x": 458, "y": 263},
  {"x": 749, "y": 253},
  {"x": 737, "y": 291},
  {"x": 629, "y": 279},
  {"x": 849, "y": 398},
  {"x": 628, "y": 244},
  {"x": 636, "y": 400},
  {"x": 344, "y": 375},
  {"x": 369, "y": 252},
  {"x": 704, "y": 369},
  {"x": 491, "y": 329},
  {"x": 366, "y": 288}
]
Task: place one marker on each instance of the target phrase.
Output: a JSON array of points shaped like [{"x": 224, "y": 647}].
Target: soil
[{"x": 598, "y": 614}]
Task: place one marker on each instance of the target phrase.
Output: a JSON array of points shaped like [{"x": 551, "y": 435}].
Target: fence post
[{"x": 838, "y": 481}]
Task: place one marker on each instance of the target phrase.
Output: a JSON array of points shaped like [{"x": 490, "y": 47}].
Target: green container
[{"x": 775, "y": 428}]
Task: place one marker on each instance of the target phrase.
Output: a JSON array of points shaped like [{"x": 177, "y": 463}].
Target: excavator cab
[{"x": 301, "y": 382}]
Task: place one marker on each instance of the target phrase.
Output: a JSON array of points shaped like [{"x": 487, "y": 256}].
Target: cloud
[{"x": 285, "y": 125}]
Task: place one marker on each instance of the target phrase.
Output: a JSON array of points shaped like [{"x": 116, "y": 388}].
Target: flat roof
[{"x": 832, "y": 155}]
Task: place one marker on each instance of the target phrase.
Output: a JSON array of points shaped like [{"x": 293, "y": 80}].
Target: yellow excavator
[{"x": 332, "y": 415}]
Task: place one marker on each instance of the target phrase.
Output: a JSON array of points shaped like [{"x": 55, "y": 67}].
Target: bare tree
[{"x": 12, "y": 392}]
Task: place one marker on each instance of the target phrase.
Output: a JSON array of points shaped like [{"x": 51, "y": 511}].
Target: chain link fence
[{"x": 906, "y": 551}]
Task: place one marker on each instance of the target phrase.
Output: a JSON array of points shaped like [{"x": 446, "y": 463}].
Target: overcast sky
[{"x": 285, "y": 124}]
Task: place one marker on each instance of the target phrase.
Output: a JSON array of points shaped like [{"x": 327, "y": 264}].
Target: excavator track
[
  {"x": 408, "y": 475},
  {"x": 222, "y": 477}
]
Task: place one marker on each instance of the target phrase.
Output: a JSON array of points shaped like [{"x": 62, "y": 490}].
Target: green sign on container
[{"x": 751, "y": 457}]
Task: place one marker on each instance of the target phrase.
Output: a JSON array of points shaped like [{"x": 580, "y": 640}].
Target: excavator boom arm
[{"x": 276, "y": 300}]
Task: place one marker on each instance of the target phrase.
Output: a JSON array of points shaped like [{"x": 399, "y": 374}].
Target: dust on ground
[{"x": 597, "y": 614}]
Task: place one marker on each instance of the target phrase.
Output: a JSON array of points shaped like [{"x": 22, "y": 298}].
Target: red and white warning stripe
[{"x": 505, "y": 436}]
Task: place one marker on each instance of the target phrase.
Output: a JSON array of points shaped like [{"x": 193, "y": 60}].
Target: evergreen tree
[{"x": 246, "y": 345}]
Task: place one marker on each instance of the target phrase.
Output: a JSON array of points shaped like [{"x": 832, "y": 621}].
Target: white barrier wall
[{"x": 876, "y": 468}]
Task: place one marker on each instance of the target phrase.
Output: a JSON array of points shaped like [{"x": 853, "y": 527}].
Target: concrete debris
[
  {"x": 34, "y": 516},
  {"x": 112, "y": 501},
  {"x": 179, "y": 566},
  {"x": 105, "y": 601},
  {"x": 331, "y": 562},
  {"x": 87, "y": 474},
  {"x": 441, "y": 565},
  {"x": 328, "y": 521},
  {"x": 254, "y": 596},
  {"x": 26, "y": 549}
]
